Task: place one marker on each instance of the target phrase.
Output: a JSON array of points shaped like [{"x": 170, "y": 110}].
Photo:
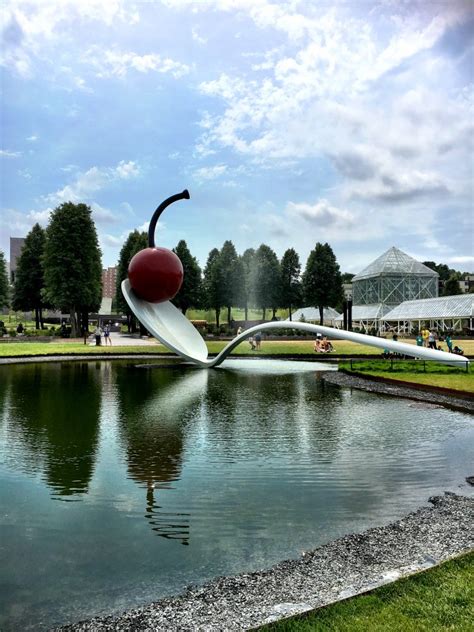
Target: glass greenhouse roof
[
  {"x": 367, "y": 312},
  {"x": 394, "y": 262},
  {"x": 311, "y": 314},
  {"x": 459, "y": 306}
]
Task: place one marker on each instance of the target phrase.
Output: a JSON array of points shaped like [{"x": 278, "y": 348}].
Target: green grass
[
  {"x": 436, "y": 600},
  {"x": 415, "y": 371}
]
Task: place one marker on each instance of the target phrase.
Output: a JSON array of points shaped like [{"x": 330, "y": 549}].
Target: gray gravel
[
  {"x": 463, "y": 402},
  {"x": 348, "y": 566}
]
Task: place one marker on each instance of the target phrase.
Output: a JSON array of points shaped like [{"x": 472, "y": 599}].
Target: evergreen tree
[
  {"x": 247, "y": 265},
  {"x": 189, "y": 294},
  {"x": 135, "y": 242},
  {"x": 213, "y": 283},
  {"x": 322, "y": 286},
  {"x": 290, "y": 280},
  {"x": 28, "y": 293},
  {"x": 232, "y": 277},
  {"x": 266, "y": 280},
  {"x": 4, "y": 285},
  {"x": 72, "y": 263}
]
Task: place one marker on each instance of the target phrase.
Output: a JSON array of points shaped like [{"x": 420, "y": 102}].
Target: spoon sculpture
[{"x": 155, "y": 276}]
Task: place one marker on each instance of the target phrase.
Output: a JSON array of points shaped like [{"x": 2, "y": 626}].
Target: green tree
[
  {"x": 290, "y": 280},
  {"x": 189, "y": 294},
  {"x": 266, "y": 280},
  {"x": 4, "y": 285},
  {"x": 135, "y": 242},
  {"x": 347, "y": 277},
  {"x": 213, "y": 283},
  {"x": 231, "y": 277},
  {"x": 441, "y": 268},
  {"x": 28, "y": 293},
  {"x": 322, "y": 286},
  {"x": 247, "y": 265},
  {"x": 451, "y": 286},
  {"x": 72, "y": 263}
]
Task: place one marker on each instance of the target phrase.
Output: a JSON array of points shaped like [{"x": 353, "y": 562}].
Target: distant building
[
  {"x": 466, "y": 283},
  {"x": 16, "y": 244},
  {"x": 109, "y": 281}
]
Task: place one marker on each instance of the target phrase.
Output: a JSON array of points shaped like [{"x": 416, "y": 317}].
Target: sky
[{"x": 290, "y": 123}]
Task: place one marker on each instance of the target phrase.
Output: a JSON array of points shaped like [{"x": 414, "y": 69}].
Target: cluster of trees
[
  {"x": 257, "y": 278},
  {"x": 450, "y": 278},
  {"x": 59, "y": 267}
]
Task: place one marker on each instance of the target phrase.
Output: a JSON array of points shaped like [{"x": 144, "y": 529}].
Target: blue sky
[{"x": 289, "y": 123}]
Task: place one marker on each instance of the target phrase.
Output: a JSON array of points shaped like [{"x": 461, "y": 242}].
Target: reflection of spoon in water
[{"x": 169, "y": 325}]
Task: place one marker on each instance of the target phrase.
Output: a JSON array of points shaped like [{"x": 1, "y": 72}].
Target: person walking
[
  {"x": 426, "y": 334},
  {"x": 107, "y": 338},
  {"x": 449, "y": 343},
  {"x": 258, "y": 340}
]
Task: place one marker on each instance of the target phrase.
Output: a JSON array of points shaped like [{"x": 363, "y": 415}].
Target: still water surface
[{"x": 120, "y": 484}]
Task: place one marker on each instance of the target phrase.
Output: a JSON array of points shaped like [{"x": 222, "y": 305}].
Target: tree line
[
  {"x": 60, "y": 268},
  {"x": 256, "y": 278}
]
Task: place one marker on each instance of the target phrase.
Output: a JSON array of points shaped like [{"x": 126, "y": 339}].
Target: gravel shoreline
[
  {"x": 348, "y": 566},
  {"x": 462, "y": 402}
]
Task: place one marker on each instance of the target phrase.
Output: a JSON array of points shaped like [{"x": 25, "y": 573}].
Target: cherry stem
[{"x": 174, "y": 198}]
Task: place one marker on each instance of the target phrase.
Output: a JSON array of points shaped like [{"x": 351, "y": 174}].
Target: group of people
[
  {"x": 429, "y": 338},
  {"x": 255, "y": 342},
  {"x": 98, "y": 335},
  {"x": 322, "y": 344}
]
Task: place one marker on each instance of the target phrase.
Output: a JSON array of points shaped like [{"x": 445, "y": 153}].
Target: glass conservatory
[
  {"x": 446, "y": 313},
  {"x": 393, "y": 278}
]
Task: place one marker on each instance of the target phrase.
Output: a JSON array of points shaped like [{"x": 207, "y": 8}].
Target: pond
[{"x": 121, "y": 483}]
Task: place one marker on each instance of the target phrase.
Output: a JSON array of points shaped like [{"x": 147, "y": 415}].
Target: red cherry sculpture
[{"x": 156, "y": 274}]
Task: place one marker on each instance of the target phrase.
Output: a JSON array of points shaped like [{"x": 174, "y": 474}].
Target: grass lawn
[
  {"x": 270, "y": 347},
  {"x": 428, "y": 373},
  {"x": 436, "y": 600}
]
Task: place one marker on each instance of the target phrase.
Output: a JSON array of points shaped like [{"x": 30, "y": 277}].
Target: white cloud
[
  {"x": 209, "y": 173},
  {"x": 126, "y": 170},
  {"x": 94, "y": 180},
  {"x": 32, "y": 139},
  {"x": 114, "y": 63},
  {"x": 198, "y": 38},
  {"x": 31, "y": 27},
  {"x": 6, "y": 153},
  {"x": 103, "y": 215}
]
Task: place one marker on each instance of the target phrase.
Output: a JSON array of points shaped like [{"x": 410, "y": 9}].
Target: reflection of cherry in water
[
  {"x": 156, "y": 274},
  {"x": 167, "y": 525}
]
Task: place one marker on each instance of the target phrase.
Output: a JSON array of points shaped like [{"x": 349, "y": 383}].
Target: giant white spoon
[{"x": 169, "y": 325}]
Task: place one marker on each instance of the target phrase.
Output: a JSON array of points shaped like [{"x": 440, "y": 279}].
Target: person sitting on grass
[
  {"x": 326, "y": 346},
  {"x": 458, "y": 351}
]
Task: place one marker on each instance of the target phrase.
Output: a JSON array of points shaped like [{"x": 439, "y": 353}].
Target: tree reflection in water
[
  {"x": 153, "y": 434},
  {"x": 56, "y": 417}
]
